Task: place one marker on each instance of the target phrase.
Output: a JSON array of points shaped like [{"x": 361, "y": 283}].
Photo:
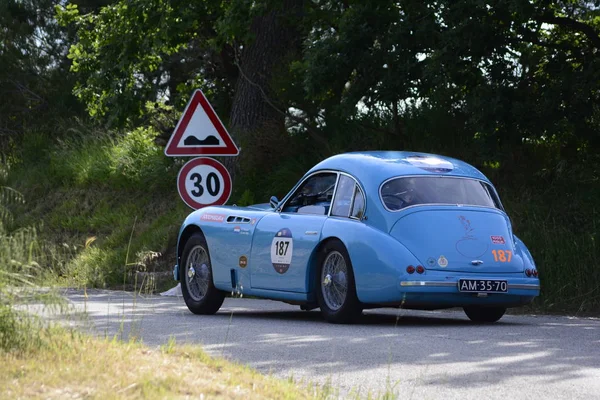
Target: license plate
[{"x": 482, "y": 286}]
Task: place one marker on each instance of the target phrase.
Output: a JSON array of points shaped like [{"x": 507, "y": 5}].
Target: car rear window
[{"x": 404, "y": 192}]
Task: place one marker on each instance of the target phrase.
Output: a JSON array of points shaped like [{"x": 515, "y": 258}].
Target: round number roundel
[
  {"x": 282, "y": 250},
  {"x": 204, "y": 182}
]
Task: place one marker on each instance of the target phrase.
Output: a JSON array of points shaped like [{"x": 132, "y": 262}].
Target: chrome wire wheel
[
  {"x": 197, "y": 273},
  {"x": 334, "y": 280}
]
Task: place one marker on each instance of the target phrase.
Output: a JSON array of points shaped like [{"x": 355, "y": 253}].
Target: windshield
[{"x": 404, "y": 192}]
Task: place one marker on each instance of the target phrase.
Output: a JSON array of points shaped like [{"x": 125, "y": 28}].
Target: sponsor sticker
[
  {"x": 240, "y": 230},
  {"x": 282, "y": 249},
  {"x": 442, "y": 261},
  {"x": 243, "y": 262},
  {"x": 212, "y": 217},
  {"x": 498, "y": 240}
]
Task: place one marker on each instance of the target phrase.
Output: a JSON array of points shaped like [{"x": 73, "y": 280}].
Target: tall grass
[
  {"x": 560, "y": 223},
  {"x": 18, "y": 271},
  {"x": 86, "y": 189}
]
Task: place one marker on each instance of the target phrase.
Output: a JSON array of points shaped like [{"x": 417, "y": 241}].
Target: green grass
[{"x": 86, "y": 191}]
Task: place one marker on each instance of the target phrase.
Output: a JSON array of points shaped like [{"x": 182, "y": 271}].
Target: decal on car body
[
  {"x": 443, "y": 261},
  {"x": 213, "y": 217},
  {"x": 282, "y": 249},
  {"x": 498, "y": 239},
  {"x": 470, "y": 245}
]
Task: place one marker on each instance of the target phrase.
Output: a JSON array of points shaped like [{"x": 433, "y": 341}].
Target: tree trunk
[{"x": 256, "y": 115}]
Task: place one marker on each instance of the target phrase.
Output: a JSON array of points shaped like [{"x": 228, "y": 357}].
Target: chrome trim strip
[
  {"x": 525, "y": 286},
  {"x": 428, "y": 283},
  {"x": 364, "y": 200},
  {"x": 335, "y": 189},
  {"x": 356, "y": 184}
]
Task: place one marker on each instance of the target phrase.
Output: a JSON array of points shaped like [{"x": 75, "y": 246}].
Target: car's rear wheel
[
  {"x": 195, "y": 273},
  {"x": 336, "y": 289},
  {"x": 484, "y": 315}
]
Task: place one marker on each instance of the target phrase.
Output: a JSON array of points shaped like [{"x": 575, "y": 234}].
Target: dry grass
[{"x": 72, "y": 365}]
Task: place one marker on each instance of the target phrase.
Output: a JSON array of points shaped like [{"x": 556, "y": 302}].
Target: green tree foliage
[
  {"x": 34, "y": 81},
  {"x": 495, "y": 74},
  {"x": 134, "y": 52},
  {"x": 502, "y": 73},
  {"x": 506, "y": 84}
]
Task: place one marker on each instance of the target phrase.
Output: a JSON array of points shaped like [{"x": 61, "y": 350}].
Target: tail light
[
  {"x": 410, "y": 269},
  {"x": 420, "y": 269},
  {"x": 535, "y": 273},
  {"x": 528, "y": 272}
]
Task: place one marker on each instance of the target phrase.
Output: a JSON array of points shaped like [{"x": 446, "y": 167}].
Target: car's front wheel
[
  {"x": 195, "y": 273},
  {"x": 336, "y": 289},
  {"x": 484, "y": 315}
]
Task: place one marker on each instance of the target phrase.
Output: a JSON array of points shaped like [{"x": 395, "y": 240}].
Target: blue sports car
[{"x": 364, "y": 230}]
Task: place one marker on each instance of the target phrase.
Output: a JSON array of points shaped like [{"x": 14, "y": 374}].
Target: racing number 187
[
  {"x": 281, "y": 248},
  {"x": 502, "y": 255}
]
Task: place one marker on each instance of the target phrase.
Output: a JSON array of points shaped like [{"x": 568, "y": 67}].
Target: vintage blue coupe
[{"x": 364, "y": 230}]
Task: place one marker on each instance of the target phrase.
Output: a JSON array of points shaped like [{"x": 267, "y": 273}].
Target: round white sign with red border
[{"x": 204, "y": 182}]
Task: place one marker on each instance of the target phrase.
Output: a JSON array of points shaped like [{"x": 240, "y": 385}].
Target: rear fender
[
  {"x": 378, "y": 260},
  {"x": 525, "y": 254}
]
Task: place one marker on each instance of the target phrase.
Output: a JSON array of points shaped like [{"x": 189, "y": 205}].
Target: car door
[{"x": 285, "y": 240}]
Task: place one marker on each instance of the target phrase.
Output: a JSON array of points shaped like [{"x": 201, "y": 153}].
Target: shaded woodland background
[{"x": 91, "y": 90}]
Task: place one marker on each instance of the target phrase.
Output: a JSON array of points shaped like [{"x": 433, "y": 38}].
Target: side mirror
[{"x": 274, "y": 201}]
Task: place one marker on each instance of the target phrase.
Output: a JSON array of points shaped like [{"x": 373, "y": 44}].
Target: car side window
[
  {"x": 314, "y": 195},
  {"x": 358, "y": 206},
  {"x": 343, "y": 197}
]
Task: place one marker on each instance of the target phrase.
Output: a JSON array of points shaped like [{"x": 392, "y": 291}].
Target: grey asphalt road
[{"x": 420, "y": 355}]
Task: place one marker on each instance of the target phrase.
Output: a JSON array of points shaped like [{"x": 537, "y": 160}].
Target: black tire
[
  {"x": 201, "y": 296},
  {"x": 484, "y": 315},
  {"x": 349, "y": 307}
]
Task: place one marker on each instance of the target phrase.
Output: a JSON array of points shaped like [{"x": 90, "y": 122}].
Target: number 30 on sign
[{"x": 204, "y": 182}]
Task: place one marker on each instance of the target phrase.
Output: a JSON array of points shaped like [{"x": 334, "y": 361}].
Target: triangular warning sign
[{"x": 200, "y": 132}]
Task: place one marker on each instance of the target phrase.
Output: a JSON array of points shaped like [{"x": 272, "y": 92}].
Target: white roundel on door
[{"x": 282, "y": 249}]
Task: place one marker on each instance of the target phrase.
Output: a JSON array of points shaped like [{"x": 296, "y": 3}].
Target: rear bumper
[{"x": 435, "y": 290}]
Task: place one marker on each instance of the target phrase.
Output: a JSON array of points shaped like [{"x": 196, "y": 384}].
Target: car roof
[{"x": 374, "y": 167}]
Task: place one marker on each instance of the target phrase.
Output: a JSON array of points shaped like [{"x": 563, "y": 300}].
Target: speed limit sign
[{"x": 204, "y": 182}]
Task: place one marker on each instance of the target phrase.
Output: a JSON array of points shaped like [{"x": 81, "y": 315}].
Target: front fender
[{"x": 378, "y": 260}]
